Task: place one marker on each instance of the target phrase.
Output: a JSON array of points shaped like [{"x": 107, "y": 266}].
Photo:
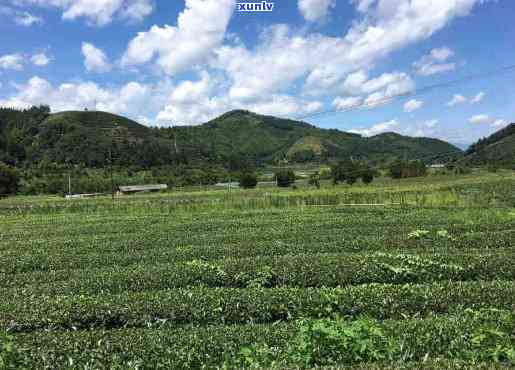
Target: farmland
[{"x": 410, "y": 273}]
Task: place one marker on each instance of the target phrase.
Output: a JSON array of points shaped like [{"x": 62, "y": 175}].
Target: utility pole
[
  {"x": 110, "y": 158},
  {"x": 69, "y": 183},
  {"x": 111, "y": 170}
]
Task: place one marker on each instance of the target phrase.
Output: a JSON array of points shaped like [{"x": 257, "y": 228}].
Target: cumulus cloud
[
  {"x": 478, "y": 98},
  {"x": 412, "y": 105},
  {"x": 377, "y": 128},
  {"x": 40, "y": 59},
  {"x": 480, "y": 118},
  {"x": 98, "y": 12},
  {"x": 12, "y": 61},
  {"x": 27, "y": 19},
  {"x": 194, "y": 102},
  {"x": 457, "y": 99},
  {"x": 185, "y": 103},
  {"x": 95, "y": 59},
  {"x": 434, "y": 62},
  {"x": 500, "y": 123},
  {"x": 341, "y": 103},
  {"x": 431, "y": 123},
  {"x": 200, "y": 29},
  {"x": 284, "y": 56},
  {"x": 315, "y": 10},
  {"x": 386, "y": 87},
  {"x": 130, "y": 99}
]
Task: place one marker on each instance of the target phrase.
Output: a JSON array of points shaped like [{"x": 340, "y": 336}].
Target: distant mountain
[
  {"x": 270, "y": 138},
  {"x": 87, "y": 138},
  {"x": 498, "y": 148}
]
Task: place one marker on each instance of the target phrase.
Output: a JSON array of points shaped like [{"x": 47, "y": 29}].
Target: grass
[{"x": 264, "y": 278}]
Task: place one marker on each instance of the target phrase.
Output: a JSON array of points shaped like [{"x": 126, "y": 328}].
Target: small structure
[
  {"x": 141, "y": 188},
  {"x": 79, "y": 196},
  {"x": 437, "y": 165}
]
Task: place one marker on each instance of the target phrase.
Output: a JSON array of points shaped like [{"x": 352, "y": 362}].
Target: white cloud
[
  {"x": 442, "y": 54},
  {"x": 478, "y": 98},
  {"x": 40, "y": 59},
  {"x": 286, "y": 57},
  {"x": 132, "y": 99},
  {"x": 358, "y": 83},
  {"x": 397, "y": 84},
  {"x": 431, "y": 123},
  {"x": 194, "y": 102},
  {"x": 27, "y": 19},
  {"x": 412, "y": 105},
  {"x": 12, "y": 61},
  {"x": 98, "y": 12},
  {"x": 480, "y": 118},
  {"x": 377, "y": 129},
  {"x": 350, "y": 102},
  {"x": 284, "y": 106},
  {"x": 95, "y": 59},
  {"x": 363, "y": 6},
  {"x": 433, "y": 63},
  {"x": 500, "y": 123},
  {"x": 200, "y": 29},
  {"x": 188, "y": 102},
  {"x": 315, "y": 10},
  {"x": 457, "y": 99}
]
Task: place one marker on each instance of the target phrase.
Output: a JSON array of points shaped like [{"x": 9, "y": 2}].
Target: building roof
[{"x": 134, "y": 188}]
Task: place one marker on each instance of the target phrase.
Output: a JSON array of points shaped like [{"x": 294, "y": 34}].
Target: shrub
[
  {"x": 328, "y": 342},
  {"x": 248, "y": 180},
  {"x": 285, "y": 178},
  {"x": 9, "y": 180},
  {"x": 10, "y": 356}
]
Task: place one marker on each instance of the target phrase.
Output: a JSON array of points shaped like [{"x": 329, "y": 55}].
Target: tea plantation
[{"x": 417, "y": 273}]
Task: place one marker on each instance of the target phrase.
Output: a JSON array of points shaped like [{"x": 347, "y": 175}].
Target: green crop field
[{"x": 417, "y": 273}]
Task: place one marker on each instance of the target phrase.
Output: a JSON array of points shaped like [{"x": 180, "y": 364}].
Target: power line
[{"x": 423, "y": 90}]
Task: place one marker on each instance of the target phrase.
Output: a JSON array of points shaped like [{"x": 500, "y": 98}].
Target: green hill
[
  {"x": 86, "y": 137},
  {"x": 271, "y": 138},
  {"x": 97, "y": 121},
  {"x": 498, "y": 148}
]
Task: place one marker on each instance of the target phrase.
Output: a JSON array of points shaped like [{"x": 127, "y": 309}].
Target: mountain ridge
[
  {"x": 498, "y": 149},
  {"x": 83, "y": 137}
]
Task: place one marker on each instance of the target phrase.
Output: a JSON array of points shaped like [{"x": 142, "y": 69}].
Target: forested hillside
[
  {"x": 497, "y": 149},
  {"x": 91, "y": 139}
]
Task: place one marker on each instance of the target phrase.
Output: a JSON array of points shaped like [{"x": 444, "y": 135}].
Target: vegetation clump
[
  {"x": 9, "y": 180},
  {"x": 248, "y": 180},
  {"x": 284, "y": 178}
]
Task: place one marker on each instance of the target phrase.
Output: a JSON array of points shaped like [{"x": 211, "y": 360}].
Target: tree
[
  {"x": 314, "y": 180},
  {"x": 248, "y": 180},
  {"x": 8, "y": 180},
  {"x": 367, "y": 176},
  {"x": 285, "y": 178},
  {"x": 345, "y": 171}
]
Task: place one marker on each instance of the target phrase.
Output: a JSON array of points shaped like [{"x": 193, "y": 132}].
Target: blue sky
[{"x": 185, "y": 62}]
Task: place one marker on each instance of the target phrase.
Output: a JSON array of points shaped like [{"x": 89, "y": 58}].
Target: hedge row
[
  {"x": 318, "y": 270},
  {"x": 184, "y": 224},
  {"x": 88, "y": 251},
  {"x": 417, "y": 344},
  {"x": 202, "y": 306}
]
